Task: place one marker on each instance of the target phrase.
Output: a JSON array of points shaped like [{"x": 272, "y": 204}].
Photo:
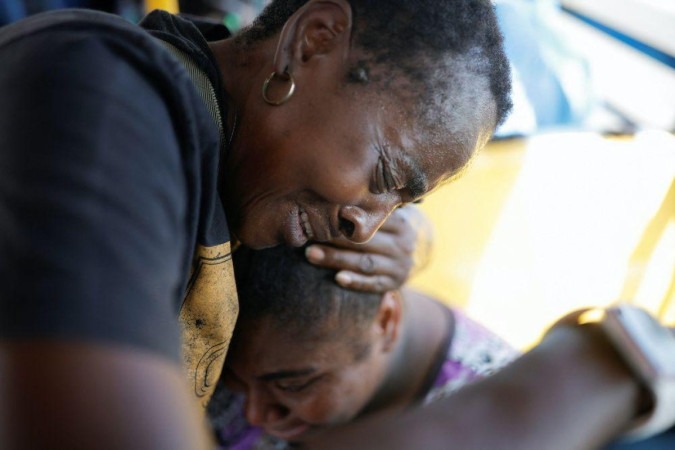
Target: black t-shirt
[{"x": 111, "y": 225}]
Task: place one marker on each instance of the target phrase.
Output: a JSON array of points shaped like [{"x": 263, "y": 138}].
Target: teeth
[{"x": 304, "y": 219}]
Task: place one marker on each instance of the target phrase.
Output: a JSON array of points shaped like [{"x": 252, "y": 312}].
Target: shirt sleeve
[{"x": 92, "y": 196}]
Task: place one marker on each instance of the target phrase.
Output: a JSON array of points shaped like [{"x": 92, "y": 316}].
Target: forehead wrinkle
[
  {"x": 444, "y": 132},
  {"x": 446, "y": 149}
]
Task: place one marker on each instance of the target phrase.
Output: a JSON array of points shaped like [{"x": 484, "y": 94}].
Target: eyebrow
[{"x": 287, "y": 374}]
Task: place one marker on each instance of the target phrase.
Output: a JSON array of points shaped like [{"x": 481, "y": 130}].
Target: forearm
[
  {"x": 571, "y": 392},
  {"x": 65, "y": 396}
]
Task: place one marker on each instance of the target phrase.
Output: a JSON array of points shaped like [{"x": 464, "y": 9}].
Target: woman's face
[
  {"x": 334, "y": 161},
  {"x": 295, "y": 389}
]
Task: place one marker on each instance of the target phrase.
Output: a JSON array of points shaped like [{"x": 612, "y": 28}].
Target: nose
[
  {"x": 360, "y": 224},
  {"x": 260, "y": 409}
]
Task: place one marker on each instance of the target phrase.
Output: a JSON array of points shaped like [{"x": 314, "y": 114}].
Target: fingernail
[
  {"x": 314, "y": 254},
  {"x": 343, "y": 278}
]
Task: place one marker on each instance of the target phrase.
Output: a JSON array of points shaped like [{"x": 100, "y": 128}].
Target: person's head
[
  {"x": 391, "y": 99},
  {"x": 307, "y": 353}
]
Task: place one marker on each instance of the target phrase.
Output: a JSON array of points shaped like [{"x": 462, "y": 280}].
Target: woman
[
  {"x": 132, "y": 155},
  {"x": 308, "y": 355}
]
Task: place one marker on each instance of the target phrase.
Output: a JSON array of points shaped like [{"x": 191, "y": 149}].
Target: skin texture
[
  {"x": 401, "y": 247},
  {"x": 327, "y": 128},
  {"x": 67, "y": 395},
  {"x": 310, "y": 386},
  {"x": 346, "y": 155},
  {"x": 300, "y": 384},
  {"x": 363, "y": 144},
  {"x": 578, "y": 405}
]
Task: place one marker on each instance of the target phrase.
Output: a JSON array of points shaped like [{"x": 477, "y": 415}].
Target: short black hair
[
  {"x": 280, "y": 284},
  {"x": 419, "y": 39}
]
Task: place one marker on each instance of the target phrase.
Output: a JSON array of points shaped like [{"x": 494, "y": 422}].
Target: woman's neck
[
  {"x": 242, "y": 72},
  {"x": 424, "y": 330},
  {"x": 241, "y": 68}
]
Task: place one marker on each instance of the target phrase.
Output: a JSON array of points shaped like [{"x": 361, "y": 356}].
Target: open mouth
[
  {"x": 298, "y": 229},
  {"x": 306, "y": 226}
]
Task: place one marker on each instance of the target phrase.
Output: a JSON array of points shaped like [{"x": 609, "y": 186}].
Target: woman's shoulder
[
  {"x": 477, "y": 346},
  {"x": 473, "y": 353},
  {"x": 92, "y": 46},
  {"x": 71, "y": 21},
  {"x": 86, "y": 37}
]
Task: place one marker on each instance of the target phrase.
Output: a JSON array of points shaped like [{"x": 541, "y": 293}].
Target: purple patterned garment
[{"x": 474, "y": 353}]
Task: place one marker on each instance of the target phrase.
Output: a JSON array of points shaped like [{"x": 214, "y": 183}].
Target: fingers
[
  {"x": 401, "y": 221},
  {"x": 355, "y": 261},
  {"x": 367, "y": 283},
  {"x": 380, "y": 244},
  {"x": 381, "y": 264},
  {"x": 383, "y": 242},
  {"x": 368, "y": 272}
]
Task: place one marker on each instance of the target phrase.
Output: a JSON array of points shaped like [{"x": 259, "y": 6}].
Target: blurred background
[{"x": 573, "y": 203}]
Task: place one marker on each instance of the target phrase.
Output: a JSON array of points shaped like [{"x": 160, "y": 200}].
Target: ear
[
  {"x": 388, "y": 319},
  {"x": 317, "y": 28}
]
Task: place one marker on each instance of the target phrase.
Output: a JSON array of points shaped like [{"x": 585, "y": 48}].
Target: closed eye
[
  {"x": 295, "y": 387},
  {"x": 387, "y": 178}
]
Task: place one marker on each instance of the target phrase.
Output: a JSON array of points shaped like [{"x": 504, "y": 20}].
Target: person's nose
[
  {"x": 359, "y": 224},
  {"x": 260, "y": 408}
]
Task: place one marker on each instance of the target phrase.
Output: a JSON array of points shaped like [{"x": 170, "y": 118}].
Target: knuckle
[
  {"x": 398, "y": 278},
  {"x": 367, "y": 263},
  {"x": 380, "y": 284},
  {"x": 334, "y": 256},
  {"x": 407, "y": 246},
  {"x": 358, "y": 284}
]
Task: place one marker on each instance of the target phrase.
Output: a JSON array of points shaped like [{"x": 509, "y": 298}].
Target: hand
[{"x": 399, "y": 248}]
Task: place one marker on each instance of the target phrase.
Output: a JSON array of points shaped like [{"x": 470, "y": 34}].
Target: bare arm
[
  {"x": 570, "y": 392},
  {"x": 66, "y": 396}
]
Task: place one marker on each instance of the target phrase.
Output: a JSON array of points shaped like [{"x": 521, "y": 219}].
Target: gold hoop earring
[{"x": 286, "y": 97}]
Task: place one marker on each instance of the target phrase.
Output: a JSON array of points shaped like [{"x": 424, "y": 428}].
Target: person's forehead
[
  {"x": 269, "y": 347},
  {"x": 432, "y": 154},
  {"x": 440, "y": 130}
]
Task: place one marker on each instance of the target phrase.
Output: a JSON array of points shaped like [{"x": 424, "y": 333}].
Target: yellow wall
[
  {"x": 536, "y": 228},
  {"x": 167, "y": 5}
]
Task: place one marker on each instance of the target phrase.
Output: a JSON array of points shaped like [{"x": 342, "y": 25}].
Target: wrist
[
  {"x": 588, "y": 354},
  {"x": 571, "y": 391},
  {"x": 646, "y": 350},
  {"x": 589, "y": 347},
  {"x": 600, "y": 395}
]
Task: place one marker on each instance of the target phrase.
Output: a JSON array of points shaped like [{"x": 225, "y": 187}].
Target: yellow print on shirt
[{"x": 208, "y": 316}]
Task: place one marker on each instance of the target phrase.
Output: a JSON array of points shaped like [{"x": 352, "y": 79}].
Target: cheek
[
  {"x": 328, "y": 408},
  {"x": 338, "y": 404},
  {"x": 260, "y": 174},
  {"x": 340, "y": 178},
  {"x": 281, "y": 159},
  {"x": 263, "y": 157},
  {"x": 335, "y": 168},
  {"x": 320, "y": 410}
]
